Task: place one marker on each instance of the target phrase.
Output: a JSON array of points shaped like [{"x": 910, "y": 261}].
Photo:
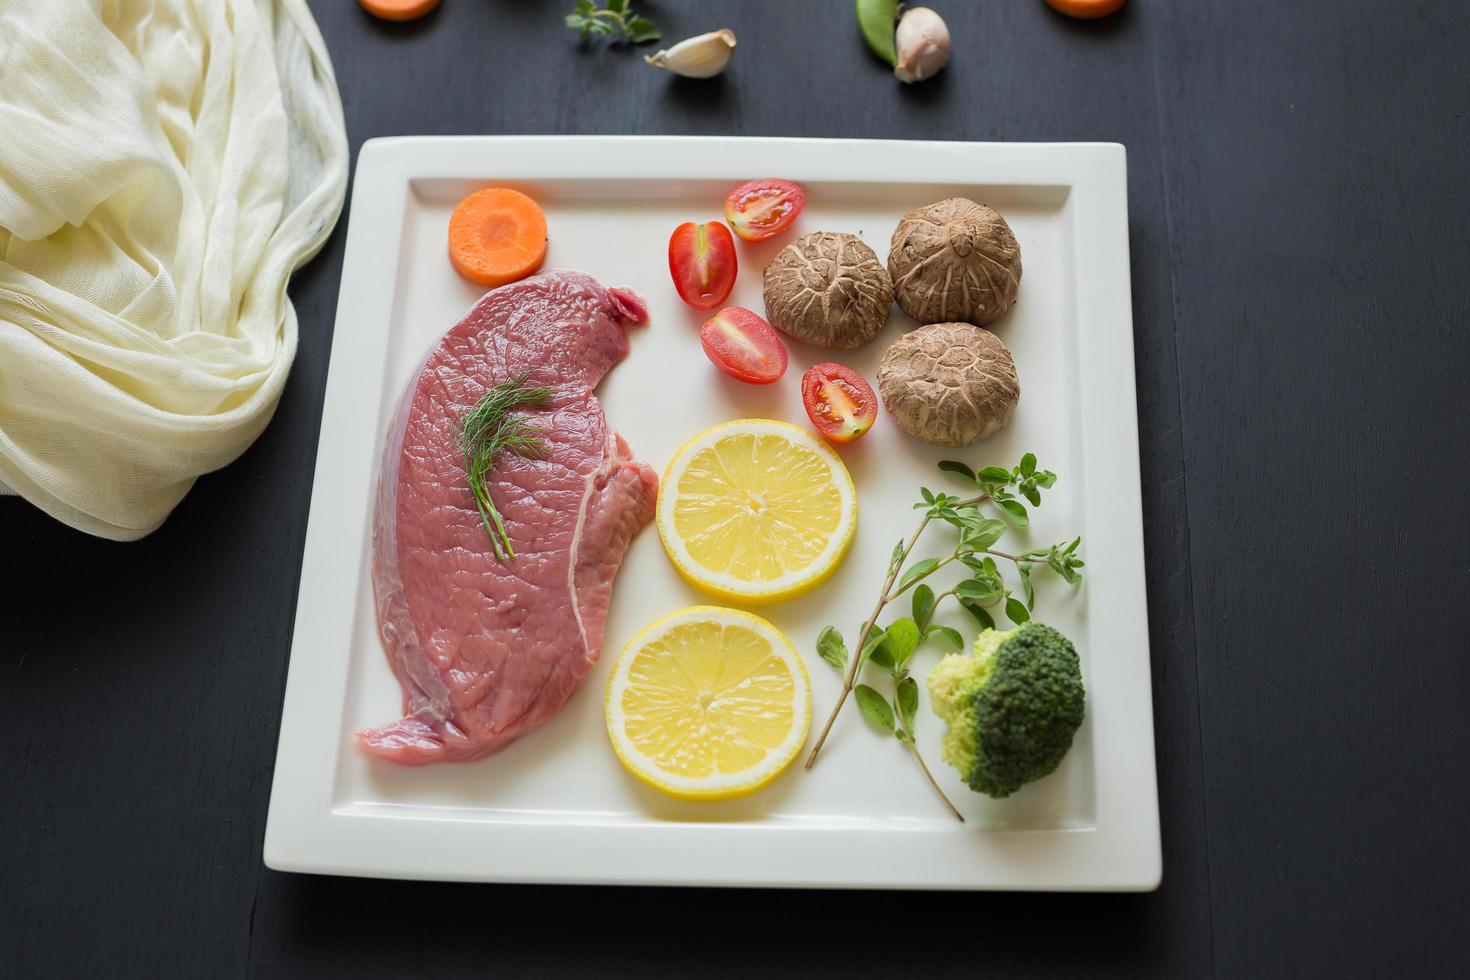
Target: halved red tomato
[
  {"x": 761, "y": 209},
  {"x": 702, "y": 262},
  {"x": 839, "y": 401},
  {"x": 744, "y": 346}
]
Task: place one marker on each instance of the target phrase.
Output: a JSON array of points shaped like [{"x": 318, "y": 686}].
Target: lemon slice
[
  {"x": 708, "y": 703},
  {"x": 756, "y": 511}
]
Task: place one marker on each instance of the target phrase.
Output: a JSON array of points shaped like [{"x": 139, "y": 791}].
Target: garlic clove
[
  {"x": 702, "y": 56},
  {"x": 922, "y": 40}
]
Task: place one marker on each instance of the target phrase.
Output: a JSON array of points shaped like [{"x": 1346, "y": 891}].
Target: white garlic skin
[
  {"x": 922, "y": 41},
  {"x": 701, "y": 56}
]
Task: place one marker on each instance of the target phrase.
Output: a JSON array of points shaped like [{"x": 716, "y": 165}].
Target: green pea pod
[{"x": 877, "y": 19}]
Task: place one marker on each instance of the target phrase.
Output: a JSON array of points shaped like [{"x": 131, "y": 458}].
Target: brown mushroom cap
[
  {"x": 955, "y": 260},
  {"x": 828, "y": 288},
  {"x": 949, "y": 383}
]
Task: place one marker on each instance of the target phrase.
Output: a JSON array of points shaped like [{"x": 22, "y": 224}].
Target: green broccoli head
[{"x": 1012, "y": 706}]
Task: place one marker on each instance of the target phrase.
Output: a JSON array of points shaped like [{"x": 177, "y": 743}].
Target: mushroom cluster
[
  {"x": 955, "y": 261},
  {"x": 949, "y": 383},
  {"x": 954, "y": 266},
  {"x": 828, "y": 288}
]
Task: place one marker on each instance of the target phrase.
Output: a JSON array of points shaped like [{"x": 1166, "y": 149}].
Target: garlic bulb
[
  {"x": 922, "y": 41},
  {"x": 702, "y": 56}
]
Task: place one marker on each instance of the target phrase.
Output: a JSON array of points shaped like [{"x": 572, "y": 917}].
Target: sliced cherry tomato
[
  {"x": 744, "y": 346},
  {"x": 839, "y": 401},
  {"x": 702, "y": 262},
  {"x": 761, "y": 209}
]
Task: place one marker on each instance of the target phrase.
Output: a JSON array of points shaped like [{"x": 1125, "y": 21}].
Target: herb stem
[
  {"x": 1018, "y": 559},
  {"x": 850, "y": 678},
  {"x": 914, "y": 748}
]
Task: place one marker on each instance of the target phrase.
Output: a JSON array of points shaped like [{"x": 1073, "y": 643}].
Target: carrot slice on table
[
  {"x": 497, "y": 236},
  {"x": 398, "y": 9},
  {"x": 1086, "y": 8}
]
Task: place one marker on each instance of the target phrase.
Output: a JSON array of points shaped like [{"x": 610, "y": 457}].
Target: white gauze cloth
[{"x": 164, "y": 166}]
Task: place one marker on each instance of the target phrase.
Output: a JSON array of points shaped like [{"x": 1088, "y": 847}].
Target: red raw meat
[{"x": 486, "y": 649}]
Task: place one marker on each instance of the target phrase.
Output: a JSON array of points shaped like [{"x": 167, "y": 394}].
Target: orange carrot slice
[
  {"x": 1086, "y": 9},
  {"x": 398, "y": 9},
  {"x": 496, "y": 236}
]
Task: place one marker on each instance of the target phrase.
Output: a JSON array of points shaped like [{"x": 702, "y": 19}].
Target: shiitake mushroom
[
  {"x": 829, "y": 289},
  {"x": 955, "y": 260},
  {"x": 949, "y": 384}
]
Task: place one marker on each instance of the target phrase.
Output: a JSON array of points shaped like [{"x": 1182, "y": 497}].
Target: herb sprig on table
[
  {"x": 616, "y": 20},
  {"x": 493, "y": 427},
  {"x": 985, "y": 588}
]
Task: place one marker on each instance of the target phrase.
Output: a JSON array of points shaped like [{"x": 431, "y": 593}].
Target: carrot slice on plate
[
  {"x": 398, "y": 9},
  {"x": 1086, "y": 9},
  {"x": 496, "y": 236}
]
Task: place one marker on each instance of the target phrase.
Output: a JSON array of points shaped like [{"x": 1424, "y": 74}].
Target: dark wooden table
[{"x": 1302, "y": 331}]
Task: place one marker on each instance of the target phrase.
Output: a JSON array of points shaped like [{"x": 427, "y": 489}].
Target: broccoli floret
[{"x": 1012, "y": 706}]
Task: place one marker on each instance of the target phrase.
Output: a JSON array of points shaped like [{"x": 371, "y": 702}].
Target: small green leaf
[
  {"x": 951, "y": 634},
  {"x": 984, "y": 533},
  {"x": 915, "y": 572},
  {"x": 908, "y": 702},
  {"x": 1016, "y": 511},
  {"x": 1032, "y": 494},
  {"x": 1028, "y": 464},
  {"x": 1016, "y": 611},
  {"x": 927, "y": 494},
  {"x": 882, "y": 656},
  {"x": 875, "y": 637},
  {"x": 616, "y": 6},
  {"x": 897, "y": 558},
  {"x": 1046, "y": 479},
  {"x": 981, "y": 589},
  {"x": 958, "y": 469},
  {"x": 641, "y": 30},
  {"x": 876, "y": 21},
  {"x": 874, "y": 707},
  {"x": 995, "y": 474},
  {"x": 982, "y": 616},
  {"x": 923, "y": 604},
  {"x": 1025, "y": 572},
  {"x": 831, "y": 648},
  {"x": 903, "y": 639}
]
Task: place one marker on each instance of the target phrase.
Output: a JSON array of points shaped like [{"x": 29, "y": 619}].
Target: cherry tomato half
[
  {"x": 702, "y": 262},
  {"x": 744, "y": 346},
  {"x": 761, "y": 209},
  {"x": 839, "y": 401}
]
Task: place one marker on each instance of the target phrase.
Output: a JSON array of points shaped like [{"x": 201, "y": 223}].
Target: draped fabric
[{"x": 164, "y": 166}]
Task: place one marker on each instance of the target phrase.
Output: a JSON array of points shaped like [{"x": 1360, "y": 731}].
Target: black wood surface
[{"x": 1297, "y": 205}]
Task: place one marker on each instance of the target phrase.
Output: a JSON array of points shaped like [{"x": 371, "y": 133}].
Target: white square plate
[{"x": 556, "y": 806}]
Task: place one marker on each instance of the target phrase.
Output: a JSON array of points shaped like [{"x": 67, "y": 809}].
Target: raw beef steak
[{"x": 487, "y": 649}]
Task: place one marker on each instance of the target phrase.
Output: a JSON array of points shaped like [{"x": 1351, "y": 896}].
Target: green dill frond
[{"x": 487, "y": 430}]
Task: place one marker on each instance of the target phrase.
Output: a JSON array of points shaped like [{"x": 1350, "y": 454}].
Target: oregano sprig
[
  {"x": 490, "y": 428},
  {"x": 616, "y": 20},
  {"x": 984, "y": 588}
]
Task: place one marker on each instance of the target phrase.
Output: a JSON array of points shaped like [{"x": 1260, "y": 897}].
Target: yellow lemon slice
[
  {"x": 708, "y": 703},
  {"x": 756, "y": 511}
]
